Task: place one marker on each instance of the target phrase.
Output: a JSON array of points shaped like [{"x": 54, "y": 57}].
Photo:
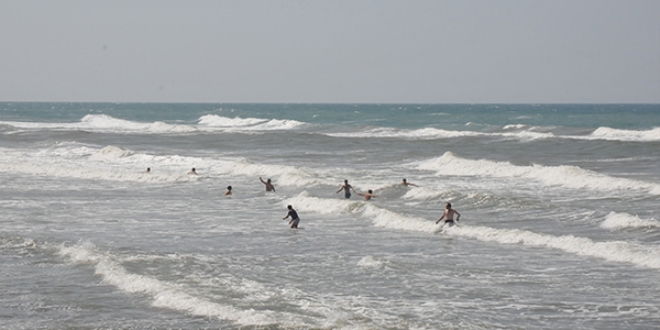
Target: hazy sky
[{"x": 408, "y": 51}]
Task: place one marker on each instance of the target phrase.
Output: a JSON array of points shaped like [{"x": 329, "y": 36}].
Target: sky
[{"x": 353, "y": 51}]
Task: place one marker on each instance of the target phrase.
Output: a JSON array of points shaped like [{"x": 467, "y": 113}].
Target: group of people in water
[{"x": 448, "y": 214}]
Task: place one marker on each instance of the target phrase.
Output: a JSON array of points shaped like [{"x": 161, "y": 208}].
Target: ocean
[{"x": 559, "y": 226}]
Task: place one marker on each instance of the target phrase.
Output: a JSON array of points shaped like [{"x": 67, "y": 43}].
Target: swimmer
[
  {"x": 406, "y": 183},
  {"x": 269, "y": 185},
  {"x": 449, "y": 215},
  {"x": 294, "y": 217},
  {"x": 148, "y": 170},
  {"x": 347, "y": 189},
  {"x": 193, "y": 171},
  {"x": 369, "y": 195},
  {"x": 228, "y": 192}
]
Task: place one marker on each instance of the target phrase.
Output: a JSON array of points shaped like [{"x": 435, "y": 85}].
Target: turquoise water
[{"x": 623, "y": 116}]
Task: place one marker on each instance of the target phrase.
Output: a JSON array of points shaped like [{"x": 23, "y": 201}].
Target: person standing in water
[
  {"x": 347, "y": 189},
  {"x": 228, "y": 192},
  {"x": 449, "y": 215},
  {"x": 369, "y": 195},
  {"x": 193, "y": 171},
  {"x": 269, "y": 185},
  {"x": 294, "y": 217}
]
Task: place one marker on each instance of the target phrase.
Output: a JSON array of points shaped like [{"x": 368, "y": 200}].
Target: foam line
[
  {"x": 565, "y": 176},
  {"x": 644, "y": 256},
  {"x": 164, "y": 295},
  {"x": 613, "y": 251},
  {"x": 615, "y": 220}
]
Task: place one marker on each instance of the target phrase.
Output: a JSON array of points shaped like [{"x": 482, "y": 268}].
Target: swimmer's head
[{"x": 228, "y": 187}]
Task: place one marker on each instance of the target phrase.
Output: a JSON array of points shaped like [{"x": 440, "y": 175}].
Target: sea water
[{"x": 559, "y": 227}]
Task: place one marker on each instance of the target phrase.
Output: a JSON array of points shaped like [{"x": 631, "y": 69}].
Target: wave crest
[
  {"x": 565, "y": 176},
  {"x": 616, "y": 220}
]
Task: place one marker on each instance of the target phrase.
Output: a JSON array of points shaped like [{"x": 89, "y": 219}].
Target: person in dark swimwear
[
  {"x": 294, "y": 217},
  {"x": 347, "y": 189},
  {"x": 269, "y": 185},
  {"x": 449, "y": 215}
]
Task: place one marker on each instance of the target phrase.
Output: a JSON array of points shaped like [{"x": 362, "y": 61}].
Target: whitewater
[{"x": 559, "y": 228}]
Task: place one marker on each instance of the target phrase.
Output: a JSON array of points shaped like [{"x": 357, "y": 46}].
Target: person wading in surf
[
  {"x": 294, "y": 217},
  {"x": 368, "y": 195},
  {"x": 269, "y": 185},
  {"x": 449, "y": 215},
  {"x": 347, "y": 189}
]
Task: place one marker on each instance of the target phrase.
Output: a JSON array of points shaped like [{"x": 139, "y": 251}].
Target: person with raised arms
[{"x": 269, "y": 185}]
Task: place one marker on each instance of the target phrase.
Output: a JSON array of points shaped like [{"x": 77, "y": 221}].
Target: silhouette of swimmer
[
  {"x": 406, "y": 183},
  {"x": 347, "y": 189},
  {"x": 269, "y": 185},
  {"x": 369, "y": 195},
  {"x": 294, "y": 217}
]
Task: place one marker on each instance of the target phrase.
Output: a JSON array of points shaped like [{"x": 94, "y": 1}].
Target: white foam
[
  {"x": 393, "y": 220},
  {"x": 164, "y": 294},
  {"x": 105, "y": 123},
  {"x": 606, "y": 133},
  {"x": 370, "y": 262},
  {"x": 565, "y": 176},
  {"x": 430, "y": 133},
  {"x": 615, "y": 220},
  {"x": 305, "y": 202},
  {"x": 423, "y": 133},
  {"x": 109, "y": 163},
  {"x": 251, "y": 124},
  {"x": 422, "y": 193},
  {"x": 644, "y": 256},
  {"x": 219, "y": 121},
  {"x": 120, "y": 164}
]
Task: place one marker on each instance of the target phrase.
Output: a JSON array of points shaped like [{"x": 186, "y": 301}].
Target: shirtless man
[
  {"x": 406, "y": 183},
  {"x": 347, "y": 189},
  {"x": 294, "y": 217},
  {"x": 449, "y": 214},
  {"x": 269, "y": 185},
  {"x": 193, "y": 171},
  {"x": 228, "y": 192},
  {"x": 369, "y": 195}
]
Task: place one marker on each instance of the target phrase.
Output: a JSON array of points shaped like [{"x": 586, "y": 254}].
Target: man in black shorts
[{"x": 449, "y": 214}]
